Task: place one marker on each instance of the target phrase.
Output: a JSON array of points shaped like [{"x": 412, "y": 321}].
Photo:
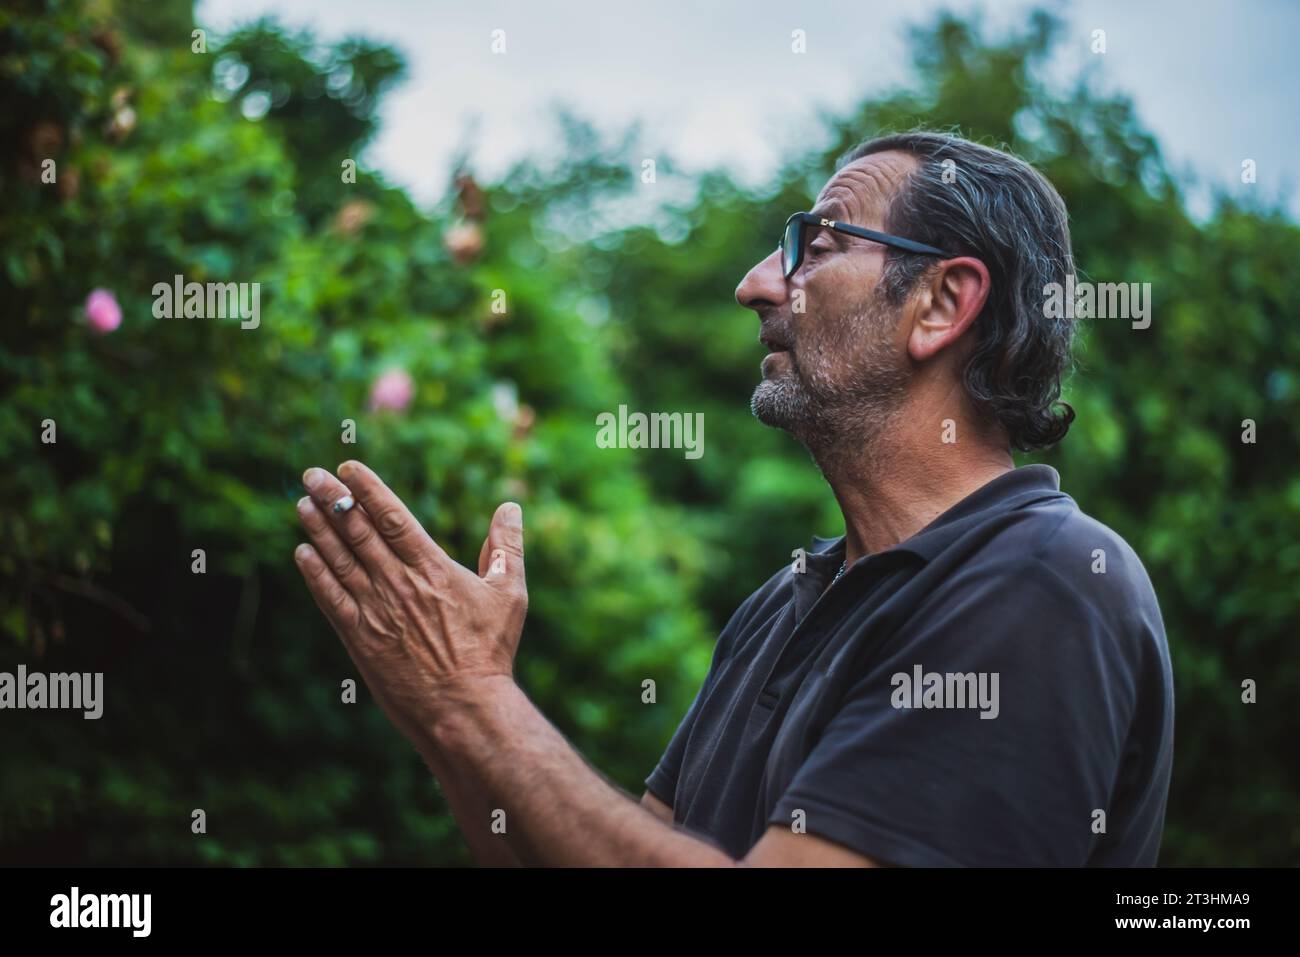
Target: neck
[{"x": 906, "y": 476}]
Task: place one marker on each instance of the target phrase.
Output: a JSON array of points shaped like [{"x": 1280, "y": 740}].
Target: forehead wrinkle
[{"x": 864, "y": 188}]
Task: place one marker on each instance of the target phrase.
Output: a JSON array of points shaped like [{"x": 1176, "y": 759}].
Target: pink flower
[
  {"x": 464, "y": 242},
  {"x": 102, "y": 311},
  {"x": 392, "y": 390}
]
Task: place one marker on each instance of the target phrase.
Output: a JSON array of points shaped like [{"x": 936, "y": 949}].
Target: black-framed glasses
[{"x": 796, "y": 228}]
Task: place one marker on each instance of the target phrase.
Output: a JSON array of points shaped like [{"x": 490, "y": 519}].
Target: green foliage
[{"x": 223, "y": 690}]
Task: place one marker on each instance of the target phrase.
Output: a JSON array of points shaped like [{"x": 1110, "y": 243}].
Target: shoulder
[
  {"x": 1058, "y": 569},
  {"x": 1091, "y": 563}
]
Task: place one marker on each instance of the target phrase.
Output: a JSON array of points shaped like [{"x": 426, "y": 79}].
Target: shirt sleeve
[
  {"x": 662, "y": 782},
  {"x": 1015, "y": 777}
]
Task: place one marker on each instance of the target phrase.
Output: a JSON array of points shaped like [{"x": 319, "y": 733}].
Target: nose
[{"x": 764, "y": 285}]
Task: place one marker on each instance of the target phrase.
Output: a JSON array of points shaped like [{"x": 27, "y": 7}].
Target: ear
[{"x": 947, "y": 306}]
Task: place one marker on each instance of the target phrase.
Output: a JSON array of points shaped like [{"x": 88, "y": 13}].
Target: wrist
[{"x": 465, "y": 706}]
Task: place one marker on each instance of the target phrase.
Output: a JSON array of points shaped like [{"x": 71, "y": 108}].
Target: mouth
[{"x": 779, "y": 359}]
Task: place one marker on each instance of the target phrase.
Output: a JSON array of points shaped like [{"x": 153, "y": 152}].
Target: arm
[
  {"x": 560, "y": 811},
  {"x": 436, "y": 645},
  {"x": 657, "y": 807},
  {"x": 473, "y": 813}
]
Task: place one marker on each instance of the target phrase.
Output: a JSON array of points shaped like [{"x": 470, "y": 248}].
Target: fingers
[
  {"x": 331, "y": 597},
  {"x": 394, "y": 521},
  {"x": 505, "y": 546},
  {"x": 337, "y": 556},
  {"x": 353, "y": 525}
]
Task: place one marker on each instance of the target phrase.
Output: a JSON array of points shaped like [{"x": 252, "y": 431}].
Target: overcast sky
[{"x": 716, "y": 83}]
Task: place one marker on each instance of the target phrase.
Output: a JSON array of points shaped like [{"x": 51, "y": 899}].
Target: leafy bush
[{"x": 223, "y": 689}]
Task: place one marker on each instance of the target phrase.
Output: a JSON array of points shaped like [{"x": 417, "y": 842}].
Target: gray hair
[{"x": 999, "y": 209}]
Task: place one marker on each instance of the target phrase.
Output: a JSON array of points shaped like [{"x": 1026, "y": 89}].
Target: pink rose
[
  {"x": 464, "y": 242},
  {"x": 392, "y": 390},
  {"x": 102, "y": 311}
]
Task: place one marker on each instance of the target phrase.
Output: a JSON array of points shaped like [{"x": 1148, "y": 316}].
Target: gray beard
[{"x": 840, "y": 422}]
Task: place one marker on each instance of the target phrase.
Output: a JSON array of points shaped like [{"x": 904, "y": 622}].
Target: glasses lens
[{"x": 790, "y": 243}]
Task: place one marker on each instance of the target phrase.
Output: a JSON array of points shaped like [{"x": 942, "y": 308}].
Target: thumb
[{"x": 505, "y": 546}]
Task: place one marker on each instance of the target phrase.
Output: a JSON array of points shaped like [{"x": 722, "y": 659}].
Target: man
[{"x": 976, "y": 673}]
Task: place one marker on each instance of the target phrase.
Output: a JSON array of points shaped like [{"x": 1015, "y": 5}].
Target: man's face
[{"x": 838, "y": 364}]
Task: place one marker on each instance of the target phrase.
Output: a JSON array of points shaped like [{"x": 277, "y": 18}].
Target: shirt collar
[{"x": 1011, "y": 490}]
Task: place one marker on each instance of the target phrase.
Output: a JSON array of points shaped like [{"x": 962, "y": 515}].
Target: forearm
[
  {"x": 473, "y": 813},
  {"x": 469, "y": 806},
  {"x": 558, "y": 810}
]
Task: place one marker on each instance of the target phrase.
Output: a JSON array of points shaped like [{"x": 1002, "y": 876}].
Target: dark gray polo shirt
[{"x": 996, "y": 690}]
